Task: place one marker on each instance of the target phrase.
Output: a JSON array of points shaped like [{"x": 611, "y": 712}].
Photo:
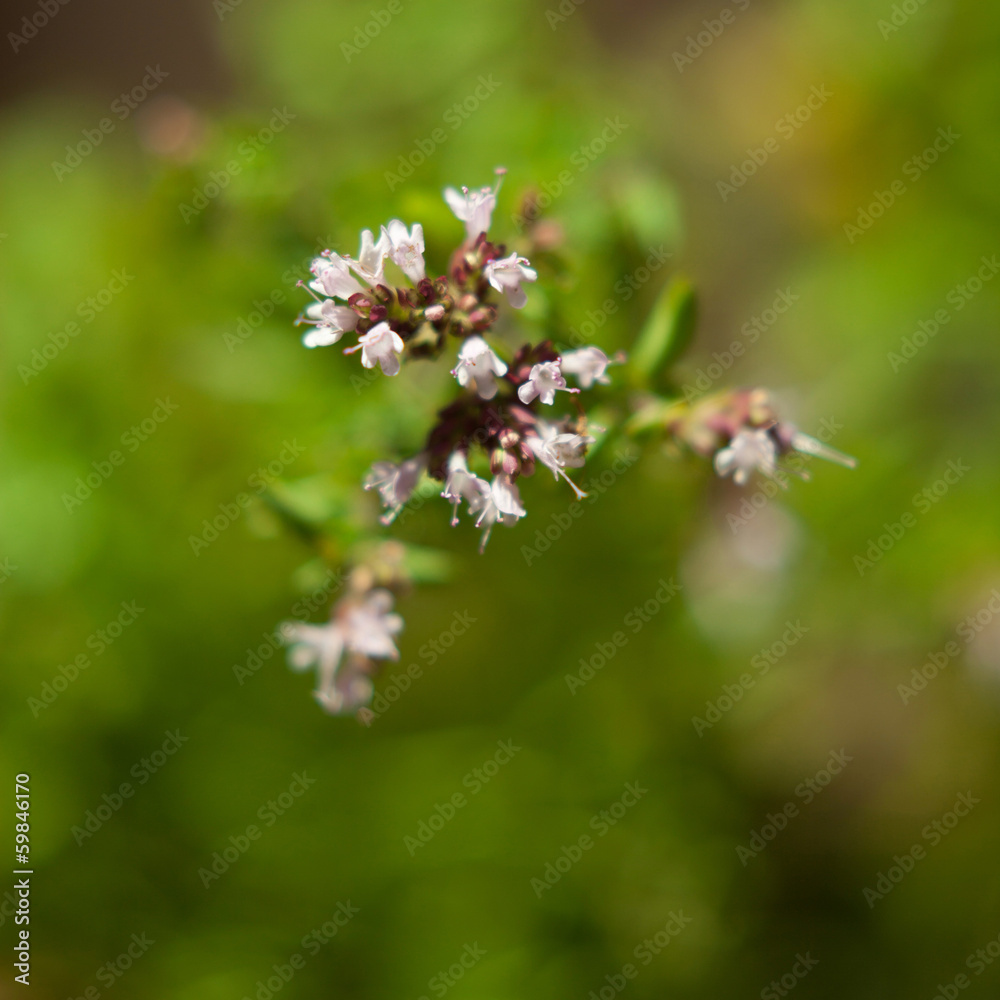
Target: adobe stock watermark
[
  {"x": 786, "y": 128},
  {"x": 88, "y": 310},
  {"x": 561, "y": 14},
  {"x": 776, "y": 988},
  {"x": 268, "y": 814},
  {"x": 582, "y": 159},
  {"x": 751, "y": 330},
  {"x": 109, "y": 973},
  {"x": 978, "y": 962},
  {"x": 635, "y": 621},
  {"x": 644, "y": 954},
  {"x": 595, "y": 488},
  {"x": 933, "y": 833},
  {"x": 601, "y": 823},
  {"x": 469, "y": 958},
  {"x": 132, "y": 440},
  {"x": 430, "y": 652},
  {"x": 121, "y": 107},
  {"x": 938, "y": 659},
  {"x": 958, "y": 298},
  {"x": 913, "y": 169},
  {"x": 258, "y": 482},
  {"x": 246, "y": 152},
  {"x": 923, "y": 502},
  {"x": 476, "y": 780},
  {"x": 454, "y": 118},
  {"x": 806, "y": 790},
  {"x": 313, "y": 942},
  {"x": 142, "y": 771},
  {"x": 98, "y": 642},
  {"x": 776, "y": 485},
  {"x": 696, "y": 44},
  {"x": 45, "y": 10},
  {"x": 732, "y": 694},
  {"x": 366, "y": 33},
  {"x": 625, "y": 288},
  {"x": 899, "y": 14}
]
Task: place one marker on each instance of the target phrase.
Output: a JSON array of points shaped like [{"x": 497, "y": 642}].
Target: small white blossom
[
  {"x": 330, "y": 322},
  {"x": 506, "y": 275},
  {"x": 370, "y": 265},
  {"x": 333, "y": 277},
  {"x": 543, "y": 381},
  {"x": 502, "y": 502},
  {"x": 588, "y": 365},
  {"x": 462, "y": 485},
  {"x": 749, "y": 450},
  {"x": 406, "y": 249},
  {"x": 381, "y": 345},
  {"x": 363, "y": 627},
  {"x": 395, "y": 483},
  {"x": 474, "y": 208},
  {"x": 479, "y": 363},
  {"x": 560, "y": 451}
]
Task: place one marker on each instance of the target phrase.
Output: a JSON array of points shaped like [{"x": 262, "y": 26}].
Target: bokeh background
[{"x": 892, "y": 76}]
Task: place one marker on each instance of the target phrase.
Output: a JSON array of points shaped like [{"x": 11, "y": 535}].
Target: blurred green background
[{"x": 165, "y": 338}]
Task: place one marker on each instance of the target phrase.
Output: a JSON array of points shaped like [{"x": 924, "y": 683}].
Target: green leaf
[{"x": 666, "y": 333}]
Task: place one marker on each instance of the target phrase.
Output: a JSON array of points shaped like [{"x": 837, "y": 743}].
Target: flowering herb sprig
[{"x": 513, "y": 411}]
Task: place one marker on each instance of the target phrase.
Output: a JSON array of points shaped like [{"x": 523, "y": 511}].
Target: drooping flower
[
  {"x": 382, "y": 345},
  {"x": 506, "y": 275},
  {"x": 559, "y": 450},
  {"x": 460, "y": 484},
  {"x": 395, "y": 483},
  {"x": 478, "y": 362},
  {"x": 543, "y": 381},
  {"x": 406, "y": 249},
  {"x": 330, "y": 323},
  {"x": 333, "y": 277},
  {"x": 502, "y": 502},
  {"x": 475, "y": 208},
  {"x": 588, "y": 365}
]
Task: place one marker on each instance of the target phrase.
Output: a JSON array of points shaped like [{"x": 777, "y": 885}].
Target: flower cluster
[{"x": 497, "y": 416}]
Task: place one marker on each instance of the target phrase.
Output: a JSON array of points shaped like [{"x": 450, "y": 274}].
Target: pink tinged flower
[
  {"x": 748, "y": 451},
  {"x": 406, "y": 249},
  {"x": 543, "y": 381},
  {"x": 506, "y": 275},
  {"x": 461, "y": 484},
  {"x": 474, "y": 208},
  {"x": 477, "y": 362},
  {"x": 501, "y": 502},
  {"x": 333, "y": 277},
  {"x": 588, "y": 365},
  {"x": 395, "y": 483},
  {"x": 330, "y": 323},
  {"x": 370, "y": 265},
  {"x": 560, "y": 451},
  {"x": 352, "y": 688},
  {"x": 381, "y": 345},
  {"x": 316, "y": 645},
  {"x": 369, "y": 625}
]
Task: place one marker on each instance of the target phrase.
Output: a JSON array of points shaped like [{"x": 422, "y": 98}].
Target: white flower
[
  {"x": 478, "y": 362},
  {"x": 502, "y": 502},
  {"x": 380, "y": 344},
  {"x": 474, "y": 208},
  {"x": 333, "y": 277},
  {"x": 395, "y": 483},
  {"x": 406, "y": 250},
  {"x": 749, "y": 450},
  {"x": 330, "y": 321},
  {"x": 543, "y": 381},
  {"x": 462, "y": 485},
  {"x": 506, "y": 275},
  {"x": 363, "y": 627},
  {"x": 560, "y": 451},
  {"x": 588, "y": 365},
  {"x": 370, "y": 265}
]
